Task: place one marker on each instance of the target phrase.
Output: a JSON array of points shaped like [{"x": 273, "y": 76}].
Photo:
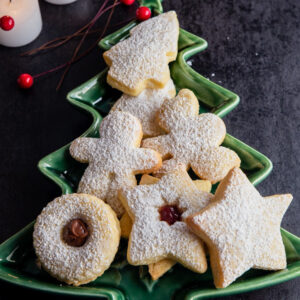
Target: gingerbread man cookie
[
  {"x": 241, "y": 229},
  {"x": 193, "y": 140},
  {"x": 158, "y": 230},
  {"x": 114, "y": 158},
  {"x": 141, "y": 61},
  {"x": 145, "y": 106}
]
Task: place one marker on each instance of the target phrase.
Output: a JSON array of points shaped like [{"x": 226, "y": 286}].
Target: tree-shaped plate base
[{"x": 122, "y": 281}]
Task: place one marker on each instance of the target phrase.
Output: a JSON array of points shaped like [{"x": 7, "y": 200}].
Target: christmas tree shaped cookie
[
  {"x": 192, "y": 140},
  {"x": 141, "y": 61}
]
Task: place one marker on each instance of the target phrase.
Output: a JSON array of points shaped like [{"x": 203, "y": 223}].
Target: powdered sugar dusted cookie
[
  {"x": 114, "y": 158},
  {"x": 125, "y": 221},
  {"x": 76, "y": 238},
  {"x": 159, "y": 268},
  {"x": 158, "y": 230},
  {"x": 241, "y": 229},
  {"x": 193, "y": 140},
  {"x": 141, "y": 61},
  {"x": 145, "y": 106}
]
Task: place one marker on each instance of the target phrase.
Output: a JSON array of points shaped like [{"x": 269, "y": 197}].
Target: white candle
[
  {"x": 59, "y": 2},
  {"x": 28, "y": 22}
]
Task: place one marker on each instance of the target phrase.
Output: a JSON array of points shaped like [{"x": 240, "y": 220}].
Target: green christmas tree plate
[{"x": 122, "y": 281}]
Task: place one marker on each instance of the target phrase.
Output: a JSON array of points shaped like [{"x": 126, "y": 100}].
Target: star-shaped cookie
[
  {"x": 241, "y": 229},
  {"x": 158, "y": 269},
  {"x": 145, "y": 106},
  {"x": 193, "y": 140},
  {"x": 114, "y": 158},
  {"x": 141, "y": 61},
  {"x": 152, "y": 238}
]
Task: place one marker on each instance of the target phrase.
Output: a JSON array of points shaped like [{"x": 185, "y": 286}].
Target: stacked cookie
[{"x": 167, "y": 217}]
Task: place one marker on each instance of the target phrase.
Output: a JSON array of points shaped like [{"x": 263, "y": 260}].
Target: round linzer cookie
[
  {"x": 146, "y": 106},
  {"x": 241, "y": 229},
  {"x": 114, "y": 158},
  {"x": 192, "y": 140},
  {"x": 141, "y": 61},
  {"x": 157, "y": 212},
  {"x": 76, "y": 238}
]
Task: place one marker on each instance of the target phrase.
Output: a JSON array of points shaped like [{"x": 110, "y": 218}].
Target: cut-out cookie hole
[
  {"x": 170, "y": 214},
  {"x": 75, "y": 233}
]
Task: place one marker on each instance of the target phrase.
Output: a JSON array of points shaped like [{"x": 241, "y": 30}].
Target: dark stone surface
[{"x": 253, "y": 50}]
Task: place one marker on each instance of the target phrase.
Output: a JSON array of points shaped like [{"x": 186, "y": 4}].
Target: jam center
[
  {"x": 75, "y": 233},
  {"x": 170, "y": 214}
]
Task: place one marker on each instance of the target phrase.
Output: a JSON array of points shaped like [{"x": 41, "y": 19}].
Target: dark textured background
[{"x": 254, "y": 50}]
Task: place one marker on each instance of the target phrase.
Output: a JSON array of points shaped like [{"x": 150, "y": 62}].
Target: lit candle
[
  {"x": 27, "y": 22},
  {"x": 59, "y": 2}
]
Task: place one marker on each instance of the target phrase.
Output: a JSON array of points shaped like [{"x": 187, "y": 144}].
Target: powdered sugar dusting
[
  {"x": 243, "y": 227},
  {"x": 76, "y": 265},
  {"x": 192, "y": 139},
  {"x": 151, "y": 239},
  {"x": 142, "y": 59},
  {"x": 114, "y": 158},
  {"x": 145, "y": 106}
]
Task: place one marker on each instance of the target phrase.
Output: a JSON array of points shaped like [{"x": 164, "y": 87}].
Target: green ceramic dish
[{"x": 122, "y": 281}]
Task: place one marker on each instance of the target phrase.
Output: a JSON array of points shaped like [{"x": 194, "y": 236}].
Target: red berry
[
  {"x": 127, "y": 2},
  {"x": 170, "y": 214},
  {"x": 7, "y": 23},
  {"x": 25, "y": 81},
  {"x": 143, "y": 13}
]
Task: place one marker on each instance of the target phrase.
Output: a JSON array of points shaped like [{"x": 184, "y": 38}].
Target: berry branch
[{"x": 26, "y": 80}]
